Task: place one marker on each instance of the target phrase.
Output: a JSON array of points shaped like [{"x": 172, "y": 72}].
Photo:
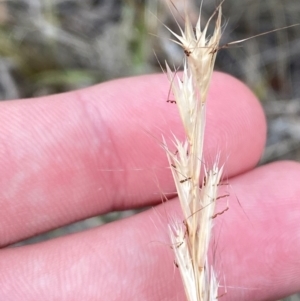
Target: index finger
[{"x": 79, "y": 154}]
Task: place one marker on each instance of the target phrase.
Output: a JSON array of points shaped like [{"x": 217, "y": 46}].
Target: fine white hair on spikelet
[{"x": 190, "y": 239}]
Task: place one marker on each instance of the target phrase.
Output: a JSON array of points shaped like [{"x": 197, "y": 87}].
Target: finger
[
  {"x": 132, "y": 259},
  {"x": 75, "y": 155},
  {"x": 261, "y": 249}
]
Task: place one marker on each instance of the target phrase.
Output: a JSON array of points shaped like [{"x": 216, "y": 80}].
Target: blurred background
[{"x": 52, "y": 46}]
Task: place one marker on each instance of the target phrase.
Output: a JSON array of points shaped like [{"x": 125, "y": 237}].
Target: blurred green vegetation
[{"x": 54, "y": 46}]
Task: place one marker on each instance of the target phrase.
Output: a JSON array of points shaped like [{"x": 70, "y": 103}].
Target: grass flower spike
[{"x": 190, "y": 239}]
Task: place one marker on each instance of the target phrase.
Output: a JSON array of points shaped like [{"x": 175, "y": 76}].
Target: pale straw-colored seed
[{"x": 191, "y": 238}]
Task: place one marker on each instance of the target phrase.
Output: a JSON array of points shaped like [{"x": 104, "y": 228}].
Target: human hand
[{"x": 75, "y": 155}]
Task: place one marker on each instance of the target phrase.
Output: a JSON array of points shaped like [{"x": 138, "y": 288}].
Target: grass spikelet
[{"x": 191, "y": 238}]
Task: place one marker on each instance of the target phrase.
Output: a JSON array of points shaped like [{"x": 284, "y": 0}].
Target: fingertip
[
  {"x": 263, "y": 229},
  {"x": 239, "y": 125}
]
